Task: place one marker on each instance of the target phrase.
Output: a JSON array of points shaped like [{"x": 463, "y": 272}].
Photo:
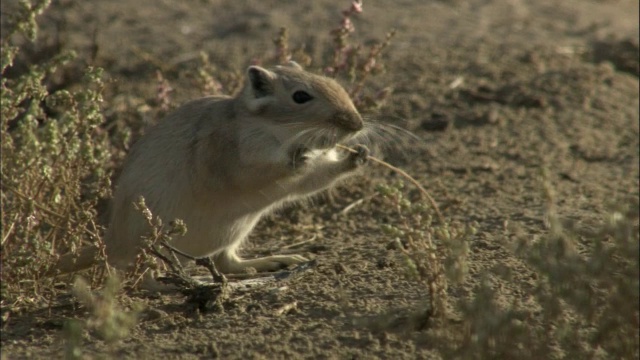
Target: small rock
[
  {"x": 437, "y": 122},
  {"x": 155, "y": 314}
]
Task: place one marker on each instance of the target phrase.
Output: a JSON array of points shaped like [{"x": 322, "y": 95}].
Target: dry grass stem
[{"x": 404, "y": 174}]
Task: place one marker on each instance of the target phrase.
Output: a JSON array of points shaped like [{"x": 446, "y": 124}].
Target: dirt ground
[{"x": 496, "y": 90}]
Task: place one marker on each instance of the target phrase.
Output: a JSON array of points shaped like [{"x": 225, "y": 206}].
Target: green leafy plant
[
  {"x": 106, "y": 320},
  {"x": 55, "y": 162},
  {"x": 434, "y": 251}
]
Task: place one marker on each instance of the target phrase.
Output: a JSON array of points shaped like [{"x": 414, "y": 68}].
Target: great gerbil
[{"x": 221, "y": 163}]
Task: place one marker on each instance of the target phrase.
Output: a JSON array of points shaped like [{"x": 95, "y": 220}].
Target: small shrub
[
  {"x": 587, "y": 299},
  {"x": 346, "y": 60},
  {"x": 435, "y": 252},
  {"x": 55, "y": 159},
  {"x": 158, "y": 235},
  {"x": 106, "y": 319}
]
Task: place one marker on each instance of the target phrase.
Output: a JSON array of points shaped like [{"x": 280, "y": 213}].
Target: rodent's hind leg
[
  {"x": 230, "y": 263},
  {"x": 273, "y": 262}
]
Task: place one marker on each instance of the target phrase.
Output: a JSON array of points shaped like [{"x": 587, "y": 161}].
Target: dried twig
[
  {"x": 353, "y": 204},
  {"x": 300, "y": 243},
  {"x": 424, "y": 192},
  {"x": 207, "y": 262}
]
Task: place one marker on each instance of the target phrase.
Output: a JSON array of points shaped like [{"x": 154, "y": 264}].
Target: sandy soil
[{"x": 496, "y": 90}]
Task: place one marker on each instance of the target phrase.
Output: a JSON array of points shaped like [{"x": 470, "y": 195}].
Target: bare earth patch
[{"x": 498, "y": 93}]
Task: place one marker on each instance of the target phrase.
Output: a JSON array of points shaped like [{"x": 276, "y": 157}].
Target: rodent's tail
[{"x": 69, "y": 263}]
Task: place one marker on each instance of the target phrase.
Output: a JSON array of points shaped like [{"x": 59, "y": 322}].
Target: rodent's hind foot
[{"x": 263, "y": 264}]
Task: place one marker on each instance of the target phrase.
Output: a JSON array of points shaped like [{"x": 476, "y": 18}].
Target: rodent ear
[
  {"x": 291, "y": 64},
  {"x": 261, "y": 81},
  {"x": 295, "y": 65}
]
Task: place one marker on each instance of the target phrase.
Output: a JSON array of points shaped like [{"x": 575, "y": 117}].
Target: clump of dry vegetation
[
  {"x": 591, "y": 272},
  {"x": 352, "y": 63},
  {"x": 55, "y": 163},
  {"x": 434, "y": 250},
  {"x": 584, "y": 303},
  {"x": 107, "y": 319}
]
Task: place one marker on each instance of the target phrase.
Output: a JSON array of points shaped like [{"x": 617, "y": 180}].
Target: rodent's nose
[{"x": 351, "y": 121}]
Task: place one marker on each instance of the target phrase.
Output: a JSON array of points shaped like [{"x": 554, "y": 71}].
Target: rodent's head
[{"x": 306, "y": 108}]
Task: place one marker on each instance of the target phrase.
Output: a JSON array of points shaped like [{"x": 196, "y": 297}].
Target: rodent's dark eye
[{"x": 301, "y": 97}]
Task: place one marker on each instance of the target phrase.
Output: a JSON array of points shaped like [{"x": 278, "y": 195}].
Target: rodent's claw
[
  {"x": 299, "y": 156},
  {"x": 361, "y": 156}
]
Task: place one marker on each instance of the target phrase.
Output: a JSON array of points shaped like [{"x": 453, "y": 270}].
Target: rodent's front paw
[
  {"x": 299, "y": 156},
  {"x": 360, "y": 156}
]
